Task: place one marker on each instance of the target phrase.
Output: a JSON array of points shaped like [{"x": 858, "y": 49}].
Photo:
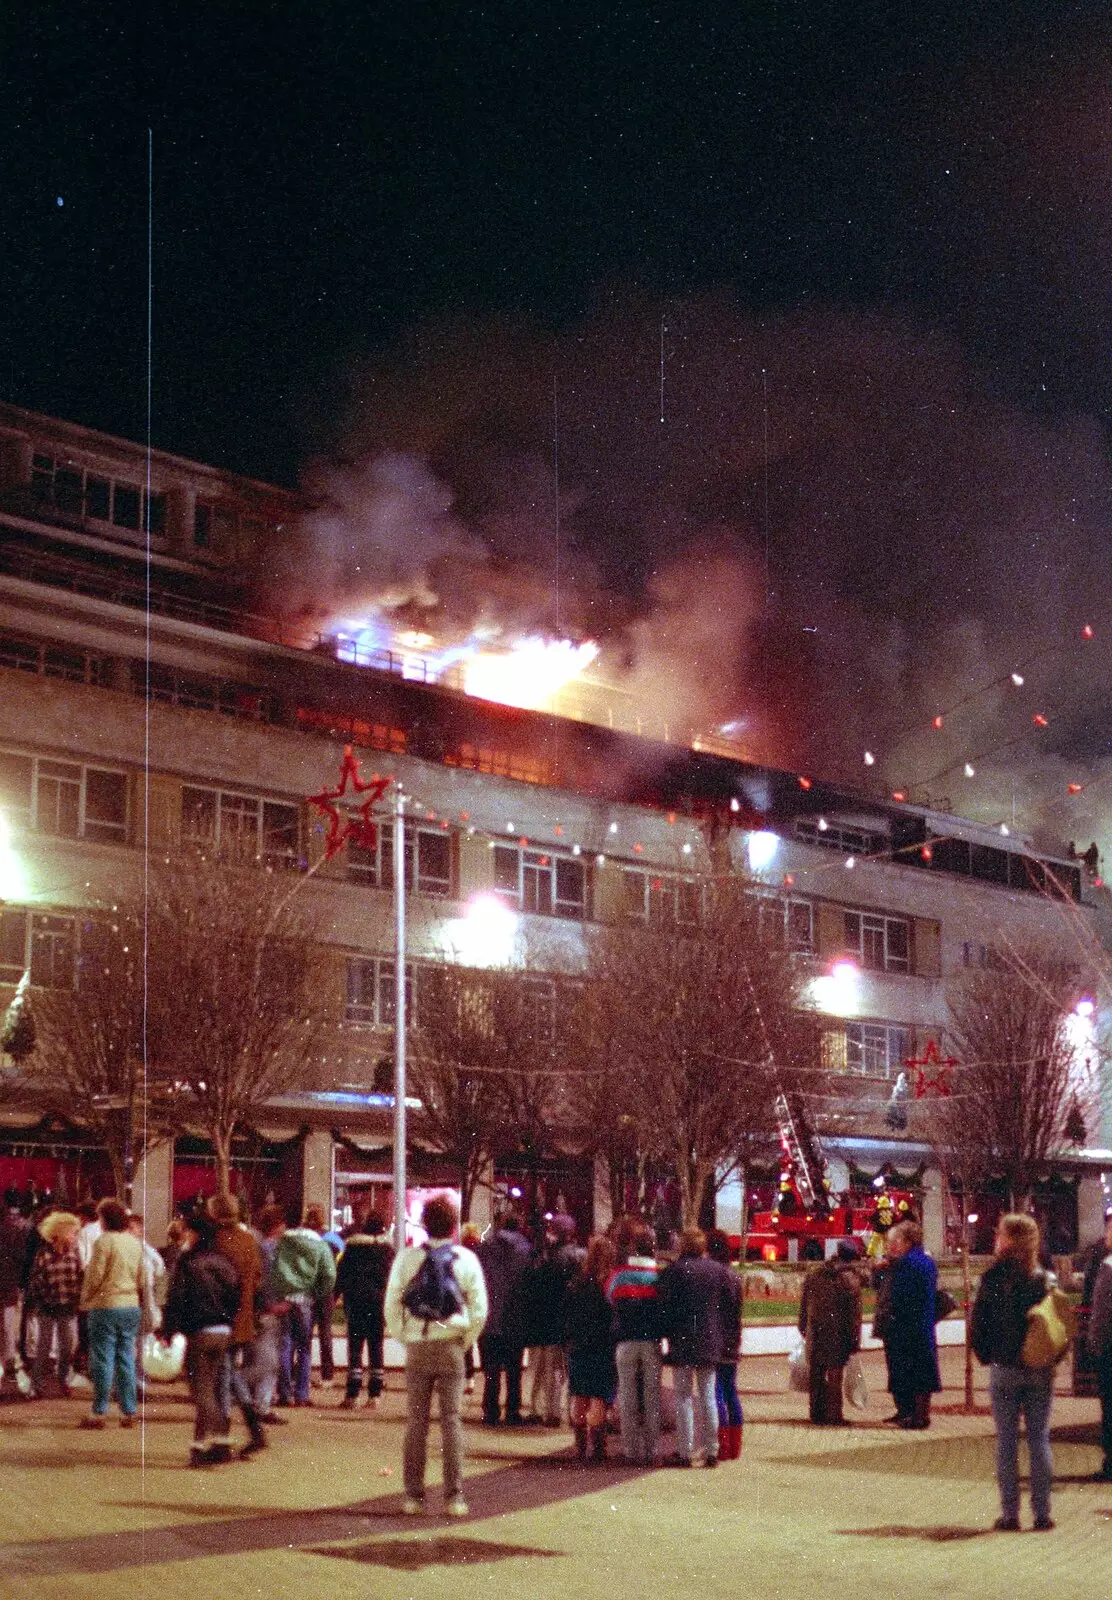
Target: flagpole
[{"x": 399, "y": 1018}]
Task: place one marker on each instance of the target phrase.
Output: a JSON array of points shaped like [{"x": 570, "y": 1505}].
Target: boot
[
  {"x": 581, "y": 1443},
  {"x": 735, "y": 1441},
  {"x": 597, "y": 1451},
  {"x": 255, "y": 1429},
  {"x": 724, "y": 1443}
]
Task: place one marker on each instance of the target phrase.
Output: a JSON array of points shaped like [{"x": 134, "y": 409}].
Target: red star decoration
[
  {"x": 343, "y": 826},
  {"x": 943, "y": 1066}
]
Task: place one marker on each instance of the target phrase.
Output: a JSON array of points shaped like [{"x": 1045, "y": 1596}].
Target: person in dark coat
[
  {"x": 697, "y": 1317},
  {"x": 361, "y": 1280},
  {"x": 731, "y": 1419},
  {"x": 15, "y": 1232},
  {"x": 830, "y": 1322},
  {"x": 906, "y": 1317},
  {"x": 203, "y": 1302},
  {"x": 1100, "y": 1348},
  {"x": 1011, "y": 1286},
  {"x": 545, "y": 1290},
  {"x": 504, "y": 1257},
  {"x": 589, "y": 1335}
]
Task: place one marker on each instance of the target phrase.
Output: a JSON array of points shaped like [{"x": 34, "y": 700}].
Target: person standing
[
  {"x": 304, "y": 1274},
  {"x": 631, "y": 1292},
  {"x": 238, "y": 1243},
  {"x": 731, "y": 1419},
  {"x": 504, "y": 1257},
  {"x": 15, "y": 1231},
  {"x": 54, "y": 1293},
  {"x": 546, "y": 1290},
  {"x": 589, "y": 1332},
  {"x": 1100, "y": 1346},
  {"x": 695, "y": 1317},
  {"x": 434, "y": 1350},
  {"x": 324, "y": 1301},
  {"x": 266, "y": 1375},
  {"x": 907, "y": 1320},
  {"x": 111, "y": 1292},
  {"x": 1011, "y": 1286},
  {"x": 830, "y": 1322},
  {"x": 203, "y": 1301},
  {"x": 361, "y": 1278}
]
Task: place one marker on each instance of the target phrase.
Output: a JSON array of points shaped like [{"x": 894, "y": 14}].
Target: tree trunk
[
  {"x": 119, "y": 1177},
  {"x": 222, "y": 1149},
  {"x": 965, "y": 1297}
]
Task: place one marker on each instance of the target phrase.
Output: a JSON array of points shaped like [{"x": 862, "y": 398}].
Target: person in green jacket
[{"x": 304, "y": 1271}]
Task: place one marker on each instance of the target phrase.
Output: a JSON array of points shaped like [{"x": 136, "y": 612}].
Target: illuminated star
[
  {"x": 943, "y": 1067},
  {"x": 360, "y": 829}
]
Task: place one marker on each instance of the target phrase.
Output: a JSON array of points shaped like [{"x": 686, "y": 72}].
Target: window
[
  {"x": 371, "y": 993},
  {"x": 242, "y": 824},
  {"x": 658, "y": 898},
  {"x": 853, "y": 841},
  {"x": 72, "y": 489},
  {"x": 65, "y": 799},
  {"x": 53, "y": 661},
  {"x": 214, "y": 527},
  {"x": 550, "y": 886},
  {"x": 877, "y": 1049},
  {"x": 427, "y": 849},
  {"x": 881, "y": 944},
  {"x": 45, "y": 944},
  {"x": 788, "y": 923},
  {"x": 199, "y": 694}
]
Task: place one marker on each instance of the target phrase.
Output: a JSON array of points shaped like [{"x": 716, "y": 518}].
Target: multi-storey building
[{"x": 143, "y": 704}]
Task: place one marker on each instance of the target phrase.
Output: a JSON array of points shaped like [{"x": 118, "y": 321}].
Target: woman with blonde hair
[
  {"x": 592, "y": 1375},
  {"x": 1011, "y": 1286}
]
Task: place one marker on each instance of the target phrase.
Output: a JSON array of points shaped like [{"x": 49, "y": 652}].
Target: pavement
[{"x": 807, "y": 1513}]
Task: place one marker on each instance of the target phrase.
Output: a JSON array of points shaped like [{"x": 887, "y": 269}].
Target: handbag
[
  {"x": 854, "y": 1388},
  {"x": 1051, "y": 1329},
  {"x": 944, "y": 1303},
  {"x": 162, "y": 1360}
]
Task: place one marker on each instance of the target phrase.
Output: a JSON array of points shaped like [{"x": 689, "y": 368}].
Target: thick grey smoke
[{"x": 837, "y": 533}]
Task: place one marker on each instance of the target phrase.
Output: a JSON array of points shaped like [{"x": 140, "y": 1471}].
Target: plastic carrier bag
[
  {"x": 799, "y": 1370},
  {"x": 162, "y": 1360},
  {"x": 854, "y": 1388}
]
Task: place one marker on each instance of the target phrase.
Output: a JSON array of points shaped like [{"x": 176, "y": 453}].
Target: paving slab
[{"x": 807, "y": 1513}]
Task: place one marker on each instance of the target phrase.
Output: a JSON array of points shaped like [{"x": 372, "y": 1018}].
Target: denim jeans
[
  {"x": 266, "y": 1354},
  {"x": 1026, "y": 1390},
  {"x": 433, "y": 1364},
  {"x": 208, "y": 1360},
  {"x": 548, "y": 1365},
  {"x": 113, "y": 1331},
  {"x": 66, "y": 1325},
  {"x": 364, "y": 1330},
  {"x": 696, "y": 1416},
  {"x": 297, "y": 1352},
  {"x": 638, "y": 1362},
  {"x": 726, "y": 1396}
]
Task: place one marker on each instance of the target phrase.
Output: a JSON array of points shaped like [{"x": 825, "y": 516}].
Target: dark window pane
[
  {"x": 633, "y": 887},
  {"x": 68, "y": 487},
  {"x": 280, "y": 834},
  {"x": 571, "y": 889},
  {"x": 52, "y": 952},
  {"x": 198, "y": 814},
  {"x": 105, "y": 805},
  {"x": 202, "y": 526},
  {"x": 15, "y": 787},
  {"x": 125, "y": 506},
  {"x": 58, "y": 798},
  {"x": 13, "y": 945},
  {"x": 156, "y": 513},
  {"x": 98, "y": 498},
  {"x": 897, "y": 943},
  {"x": 434, "y": 863},
  {"x": 507, "y": 859}
]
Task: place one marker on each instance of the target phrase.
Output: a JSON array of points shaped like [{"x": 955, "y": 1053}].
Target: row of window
[
  {"x": 72, "y": 488},
  {"x": 372, "y": 995},
  {"x": 65, "y": 799},
  {"x": 54, "y": 661},
  {"x": 45, "y": 944}
]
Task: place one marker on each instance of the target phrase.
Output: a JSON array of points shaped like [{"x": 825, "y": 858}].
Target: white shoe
[
  {"x": 457, "y": 1507},
  {"x": 78, "y": 1380},
  {"x": 412, "y": 1508}
]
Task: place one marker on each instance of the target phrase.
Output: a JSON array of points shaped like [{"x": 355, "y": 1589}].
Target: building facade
[{"x": 145, "y": 704}]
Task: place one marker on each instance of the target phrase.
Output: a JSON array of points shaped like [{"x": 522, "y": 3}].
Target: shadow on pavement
[
  {"x": 895, "y": 1530},
  {"x": 413, "y": 1555},
  {"x": 490, "y": 1494}
]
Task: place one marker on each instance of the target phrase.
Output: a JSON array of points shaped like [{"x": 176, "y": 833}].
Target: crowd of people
[{"x": 595, "y": 1326}]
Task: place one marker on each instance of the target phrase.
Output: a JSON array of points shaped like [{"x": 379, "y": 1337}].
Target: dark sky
[
  {"x": 879, "y": 236},
  {"x": 343, "y": 172}
]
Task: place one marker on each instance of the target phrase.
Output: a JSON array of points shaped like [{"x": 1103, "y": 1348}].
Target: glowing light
[
  {"x": 870, "y": 759},
  {"x": 1017, "y": 679},
  {"x": 823, "y": 824},
  {"x": 530, "y": 675},
  {"x": 974, "y": 1216},
  {"x": 804, "y": 783},
  {"x": 970, "y": 770},
  {"x": 760, "y": 849},
  {"x": 838, "y": 993},
  {"x": 1005, "y": 830},
  {"x": 936, "y": 722},
  {"x": 486, "y": 935},
  {"x": 13, "y": 877},
  {"x": 1087, "y": 631},
  {"x": 851, "y": 862},
  {"x": 927, "y": 853},
  {"x": 1039, "y": 720},
  {"x": 613, "y": 828},
  {"x": 899, "y": 794},
  {"x": 1085, "y": 1007},
  {"x": 687, "y": 849},
  {"x": 735, "y": 804},
  {"x": 1075, "y": 788}
]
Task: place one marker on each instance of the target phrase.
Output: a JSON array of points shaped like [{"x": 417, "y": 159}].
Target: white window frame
[
  {"x": 75, "y": 775},
  {"x": 535, "y": 869},
  {"x": 39, "y": 928},
  {"x": 375, "y": 868},
  {"x": 874, "y": 927},
  {"x": 878, "y": 1049},
  {"x": 376, "y": 978},
  {"x": 658, "y": 899},
  {"x": 46, "y": 467},
  {"x": 782, "y": 910},
  {"x": 230, "y": 804}
]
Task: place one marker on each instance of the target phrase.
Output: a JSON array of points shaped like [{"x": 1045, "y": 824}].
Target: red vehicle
[{"x": 857, "y": 1215}]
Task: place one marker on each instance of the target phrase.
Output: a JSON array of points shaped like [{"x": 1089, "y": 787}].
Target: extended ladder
[{"x": 806, "y": 1162}]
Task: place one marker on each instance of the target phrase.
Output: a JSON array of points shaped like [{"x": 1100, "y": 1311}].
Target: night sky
[{"x": 878, "y": 237}]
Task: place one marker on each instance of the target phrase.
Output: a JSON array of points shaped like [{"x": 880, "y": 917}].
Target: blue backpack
[{"x": 433, "y": 1295}]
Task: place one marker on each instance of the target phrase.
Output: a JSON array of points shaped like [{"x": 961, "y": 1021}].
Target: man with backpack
[{"x": 436, "y": 1305}]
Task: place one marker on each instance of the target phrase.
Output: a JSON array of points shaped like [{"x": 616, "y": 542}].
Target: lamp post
[{"x": 399, "y": 1018}]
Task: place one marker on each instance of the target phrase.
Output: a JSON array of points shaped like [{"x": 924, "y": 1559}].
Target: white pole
[{"x": 399, "y": 1018}]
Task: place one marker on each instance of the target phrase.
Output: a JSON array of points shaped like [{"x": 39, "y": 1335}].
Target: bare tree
[
  {"x": 1020, "y": 1084},
  {"x": 90, "y": 1061},
  {"x": 697, "y": 1029},
  {"x": 451, "y": 1047},
  {"x": 235, "y": 991}
]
